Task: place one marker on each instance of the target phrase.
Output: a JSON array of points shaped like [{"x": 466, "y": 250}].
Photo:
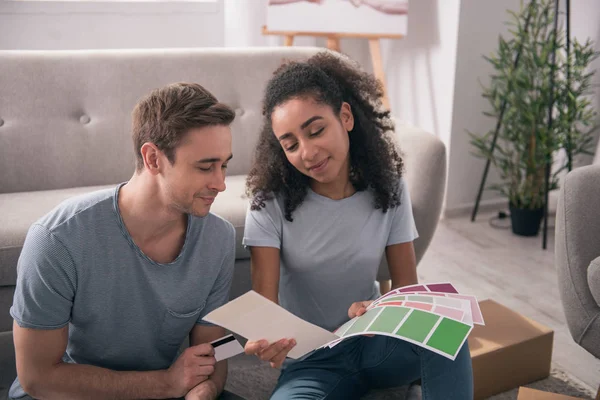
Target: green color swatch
[
  {"x": 397, "y": 298},
  {"x": 418, "y": 325},
  {"x": 389, "y": 319},
  {"x": 361, "y": 324},
  {"x": 448, "y": 336},
  {"x": 422, "y": 299},
  {"x": 342, "y": 329}
]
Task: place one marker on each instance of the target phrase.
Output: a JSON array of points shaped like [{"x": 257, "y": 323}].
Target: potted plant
[{"x": 526, "y": 142}]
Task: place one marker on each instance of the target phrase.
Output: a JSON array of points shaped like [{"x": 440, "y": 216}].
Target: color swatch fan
[{"x": 434, "y": 316}]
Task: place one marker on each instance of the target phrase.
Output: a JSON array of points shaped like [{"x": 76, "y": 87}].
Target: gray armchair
[{"x": 577, "y": 255}]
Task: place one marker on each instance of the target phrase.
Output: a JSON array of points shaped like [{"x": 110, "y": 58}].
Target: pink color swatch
[{"x": 452, "y": 313}]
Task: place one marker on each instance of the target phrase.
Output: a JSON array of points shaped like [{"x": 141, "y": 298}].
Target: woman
[{"x": 328, "y": 201}]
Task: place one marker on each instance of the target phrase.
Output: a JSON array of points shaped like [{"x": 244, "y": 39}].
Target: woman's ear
[{"x": 346, "y": 116}]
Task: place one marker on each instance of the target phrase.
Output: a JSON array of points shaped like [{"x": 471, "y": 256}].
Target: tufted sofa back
[{"x": 65, "y": 116}]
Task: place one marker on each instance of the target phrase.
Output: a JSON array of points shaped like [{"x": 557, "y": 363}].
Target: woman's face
[{"x": 314, "y": 137}]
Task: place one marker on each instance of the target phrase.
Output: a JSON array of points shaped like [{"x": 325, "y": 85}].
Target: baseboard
[
  {"x": 493, "y": 205},
  {"x": 484, "y": 206}
]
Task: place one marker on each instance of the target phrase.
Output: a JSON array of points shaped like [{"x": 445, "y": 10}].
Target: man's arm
[
  {"x": 43, "y": 375},
  {"x": 202, "y": 334},
  {"x": 402, "y": 264},
  {"x": 211, "y": 388}
]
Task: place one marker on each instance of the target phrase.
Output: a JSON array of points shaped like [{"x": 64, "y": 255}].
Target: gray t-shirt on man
[
  {"x": 330, "y": 253},
  {"x": 80, "y": 267}
]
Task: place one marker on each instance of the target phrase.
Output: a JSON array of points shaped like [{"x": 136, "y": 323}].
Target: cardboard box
[
  {"x": 532, "y": 394},
  {"x": 509, "y": 351}
]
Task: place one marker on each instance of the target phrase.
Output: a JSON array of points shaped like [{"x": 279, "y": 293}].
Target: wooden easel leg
[
  {"x": 598, "y": 394},
  {"x": 333, "y": 43},
  {"x": 375, "y": 48},
  {"x": 289, "y": 40}
]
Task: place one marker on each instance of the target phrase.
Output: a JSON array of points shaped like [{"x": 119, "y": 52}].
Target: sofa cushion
[
  {"x": 19, "y": 211},
  {"x": 232, "y": 205},
  {"x": 594, "y": 279},
  {"x": 23, "y": 209},
  {"x": 83, "y": 128}
]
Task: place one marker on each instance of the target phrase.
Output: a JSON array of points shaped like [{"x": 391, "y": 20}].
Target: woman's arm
[
  {"x": 264, "y": 266},
  {"x": 402, "y": 264}
]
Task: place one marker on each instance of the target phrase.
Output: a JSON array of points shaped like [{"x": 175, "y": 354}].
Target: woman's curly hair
[{"x": 330, "y": 79}]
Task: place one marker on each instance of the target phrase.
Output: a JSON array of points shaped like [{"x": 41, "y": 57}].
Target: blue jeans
[{"x": 356, "y": 365}]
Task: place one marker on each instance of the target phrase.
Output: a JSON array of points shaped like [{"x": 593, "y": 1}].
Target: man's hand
[
  {"x": 274, "y": 353},
  {"x": 359, "y": 308},
  {"x": 193, "y": 367},
  {"x": 206, "y": 390}
]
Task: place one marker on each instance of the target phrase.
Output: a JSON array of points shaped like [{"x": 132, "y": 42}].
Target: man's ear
[
  {"x": 347, "y": 117},
  {"x": 151, "y": 156}
]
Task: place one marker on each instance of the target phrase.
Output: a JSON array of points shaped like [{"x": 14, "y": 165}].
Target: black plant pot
[{"x": 525, "y": 222}]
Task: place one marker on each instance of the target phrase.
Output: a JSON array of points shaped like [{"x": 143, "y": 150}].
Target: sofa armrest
[
  {"x": 594, "y": 279},
  {"x": 425, "y": 174}
]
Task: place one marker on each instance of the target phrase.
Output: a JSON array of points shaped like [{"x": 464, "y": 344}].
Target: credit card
[{"x": 226, "y": 347}]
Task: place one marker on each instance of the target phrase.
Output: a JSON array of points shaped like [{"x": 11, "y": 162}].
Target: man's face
[{"x": 192, "y": 182}]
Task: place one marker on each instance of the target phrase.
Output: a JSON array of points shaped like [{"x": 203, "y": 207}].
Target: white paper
[{"x": 255, "y": 318}]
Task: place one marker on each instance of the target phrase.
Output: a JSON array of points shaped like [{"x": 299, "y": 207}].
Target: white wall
[
  {"x": 432, "y": 74},
  {"x": 244, "y": 20},
  {"x": 480, "y": 24},
  {"x": 41, "y": 25},
  {"x": 585, "y": 23},
  {"x": 420, "y": 68}
]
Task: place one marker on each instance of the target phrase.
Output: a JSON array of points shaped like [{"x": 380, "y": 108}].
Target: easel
[{"x": 333, "y": 43}]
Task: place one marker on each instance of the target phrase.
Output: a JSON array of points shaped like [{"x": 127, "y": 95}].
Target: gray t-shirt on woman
[
  {"x": 80, "y": 267},
  {"x": 330, "y": 253}
]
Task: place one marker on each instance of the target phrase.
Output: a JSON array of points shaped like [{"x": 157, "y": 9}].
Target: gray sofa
[
  {"x": 65, "y": 130},
  {"x": 577, "y": 256}
]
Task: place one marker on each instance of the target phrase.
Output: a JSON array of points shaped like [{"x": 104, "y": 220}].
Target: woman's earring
[{"x": 352, "y": 170}]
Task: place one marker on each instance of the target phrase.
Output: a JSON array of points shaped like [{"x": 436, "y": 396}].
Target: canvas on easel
[{"x": 335, "y": 19}]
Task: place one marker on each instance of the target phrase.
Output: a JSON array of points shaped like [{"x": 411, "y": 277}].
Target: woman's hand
[
  {"x": 359, "y": 308},
  {"x": 274, "y": 353}
]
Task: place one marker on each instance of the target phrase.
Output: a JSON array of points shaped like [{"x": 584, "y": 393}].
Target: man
[{"x": 110, "y": 283}]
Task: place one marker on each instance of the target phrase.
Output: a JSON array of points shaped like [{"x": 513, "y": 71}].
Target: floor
[{"x": 515, "y": 271}]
